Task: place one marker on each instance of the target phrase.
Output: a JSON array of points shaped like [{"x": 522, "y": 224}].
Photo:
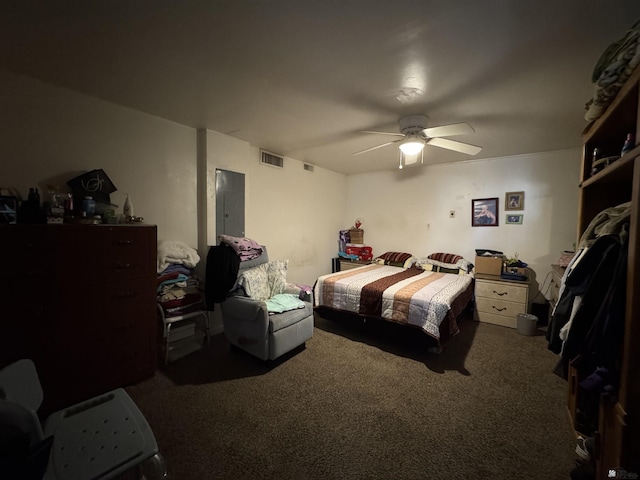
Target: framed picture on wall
[
  {"x": 484, "y": 212},
  {"x": 514, "y": 219},
  {"x": 514, "y": 201}
]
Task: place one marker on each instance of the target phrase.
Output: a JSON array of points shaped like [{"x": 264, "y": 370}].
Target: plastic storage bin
[{"x": 526, "y": 324}]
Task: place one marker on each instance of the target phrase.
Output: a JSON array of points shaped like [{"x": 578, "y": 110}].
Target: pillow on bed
[
  {"x": 450, "y": 258},
  {"x": 424, "y": 265},
  {"x": 456, "y": 271},
  {"x": 429, "y": 266},
  {"x": 396, "y": 259},
  {"x": 446, "y": 263}
]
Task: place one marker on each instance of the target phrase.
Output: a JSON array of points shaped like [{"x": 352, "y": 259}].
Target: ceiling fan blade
[
  {"x": 455, "y": 145},
  {"x": 449, "y": 130},
  {"x": 376, "y": 147},
  {"x": 383, "y": 133}
]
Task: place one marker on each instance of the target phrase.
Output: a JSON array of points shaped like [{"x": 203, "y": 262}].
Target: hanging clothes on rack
[{"x": 587, "y": 324}]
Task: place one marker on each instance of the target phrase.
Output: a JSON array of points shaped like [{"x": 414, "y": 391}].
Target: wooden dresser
[
  {"x": 80, "y": 301},
  {"x": 499, "y": 301}
]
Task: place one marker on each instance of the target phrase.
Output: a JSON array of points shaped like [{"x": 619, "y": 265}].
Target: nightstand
[
  {"x": 180, "y": 334},
  {"x": 557, "y": 272},
  {"x": 346, "y": 264},
  {"x": 499, "y": 301}
]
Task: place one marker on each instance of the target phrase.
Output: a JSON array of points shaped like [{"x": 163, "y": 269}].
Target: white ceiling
[{"x": 301, "y": 78}]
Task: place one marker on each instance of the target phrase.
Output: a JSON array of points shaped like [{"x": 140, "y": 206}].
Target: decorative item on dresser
[
  {"x": 499, "y": 301},
  {"x": 80, "y": 301}
]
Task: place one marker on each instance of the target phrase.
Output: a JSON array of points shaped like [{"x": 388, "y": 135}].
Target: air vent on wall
[
  {"x": 308, "y": 168},
  {"x": 272, "y": 159}
]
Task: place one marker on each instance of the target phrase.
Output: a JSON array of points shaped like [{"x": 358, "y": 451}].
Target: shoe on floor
[{"x": 584, "y": 448}]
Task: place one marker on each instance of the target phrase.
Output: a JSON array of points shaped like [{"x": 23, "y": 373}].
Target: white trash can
[{"x": 526, "y": 324}]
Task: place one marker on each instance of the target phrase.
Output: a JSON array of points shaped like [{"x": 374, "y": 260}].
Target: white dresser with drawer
[
  {"x": 499, "y": 301},
  {"x": 557, "y": 272}
]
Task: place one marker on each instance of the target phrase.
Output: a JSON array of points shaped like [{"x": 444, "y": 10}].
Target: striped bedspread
[{"x": 411, "y": 296}]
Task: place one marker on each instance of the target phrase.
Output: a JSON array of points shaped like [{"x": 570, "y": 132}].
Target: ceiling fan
[{"x": 415, "y": 135}]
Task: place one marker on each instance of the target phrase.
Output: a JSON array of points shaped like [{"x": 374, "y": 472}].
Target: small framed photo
[
  {"x": 514, "y": 201},
  {"x": 514, "y": 219},
  {"x": 484, "y": 212}
]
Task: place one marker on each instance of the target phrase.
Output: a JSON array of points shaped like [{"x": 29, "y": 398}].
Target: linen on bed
[{"x": 427, "y": 299}]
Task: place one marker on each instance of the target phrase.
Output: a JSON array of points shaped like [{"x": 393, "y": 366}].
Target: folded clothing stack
[
  {"x": 179, "y": 291},
  {"x": 178, "y": 288}
]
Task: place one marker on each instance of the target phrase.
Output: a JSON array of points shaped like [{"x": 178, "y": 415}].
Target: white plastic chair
[{"x": 100, "y": 438}]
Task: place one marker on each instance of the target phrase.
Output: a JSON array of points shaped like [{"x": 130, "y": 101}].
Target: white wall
[
  {"x": 408, "y": 210},
  {"x": 295, "y": 213},
  {"x": 50, "y": 135}
]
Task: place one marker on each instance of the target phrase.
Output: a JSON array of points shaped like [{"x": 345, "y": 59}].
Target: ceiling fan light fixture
[
  {"x": 408, "y": 160},
  {"x": 412, "y": 145}
]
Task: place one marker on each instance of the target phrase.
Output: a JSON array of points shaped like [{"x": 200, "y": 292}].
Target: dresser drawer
[
  {"x": 495, "y": 319},
  {"x": 557, "y": 273},
  {"x": 499, "y": 301},
  {"x": 554, "y": 291},
  {"x": 500, "y": 307},
  {"x": 30, "y": 257},
  {"x": 98, "y": 253},
  {"x": 348, "y": 265},
  {"x": 502, "y": 291},
  {"x": 131, "y": 248},
  {"x": 110, "y": 309}
]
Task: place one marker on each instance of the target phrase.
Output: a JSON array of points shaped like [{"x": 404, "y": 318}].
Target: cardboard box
[
  {"x": 489, "y": 265},
  {"x": 356, "y": 235}
]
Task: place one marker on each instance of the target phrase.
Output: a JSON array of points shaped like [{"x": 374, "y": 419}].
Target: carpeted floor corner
[{"x": 365, "y": 401}]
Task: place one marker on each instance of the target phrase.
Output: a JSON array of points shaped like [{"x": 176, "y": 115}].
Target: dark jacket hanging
[
  {"x": 222, "y": 268},
  {"x": 594, "y": 336}
]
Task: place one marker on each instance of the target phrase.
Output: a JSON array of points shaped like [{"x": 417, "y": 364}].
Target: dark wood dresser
[{"x": 80, "y": 300}]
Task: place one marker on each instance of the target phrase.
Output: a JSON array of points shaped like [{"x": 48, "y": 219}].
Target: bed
[{"x": 428, "y": 293}]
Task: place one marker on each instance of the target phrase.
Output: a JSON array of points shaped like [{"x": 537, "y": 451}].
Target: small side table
[
  {"x": 557, "y": 272},
  {"x": 499, "y": 301},
  {"x": 346, "y": 264},
  {"x": 183, "y": 338}
]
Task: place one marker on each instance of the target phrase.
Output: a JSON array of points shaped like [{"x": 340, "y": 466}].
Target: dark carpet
[{"x": 365, "y": 401}]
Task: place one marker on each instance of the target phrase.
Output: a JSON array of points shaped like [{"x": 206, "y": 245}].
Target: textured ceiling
[{"x": 302, "y": 78}]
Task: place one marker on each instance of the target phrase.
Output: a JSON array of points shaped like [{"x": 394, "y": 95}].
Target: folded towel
[
  {"x": 283, "y": 302},
  {"x": 176, "y": 252}
]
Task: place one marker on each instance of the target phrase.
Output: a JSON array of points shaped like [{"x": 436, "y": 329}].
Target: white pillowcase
[
  {"x": 277, "y": 275},
  {"x": 255, "y": 282},
  {"x": 463, "y": 266},
  {"x": 264, "y": 281}
]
